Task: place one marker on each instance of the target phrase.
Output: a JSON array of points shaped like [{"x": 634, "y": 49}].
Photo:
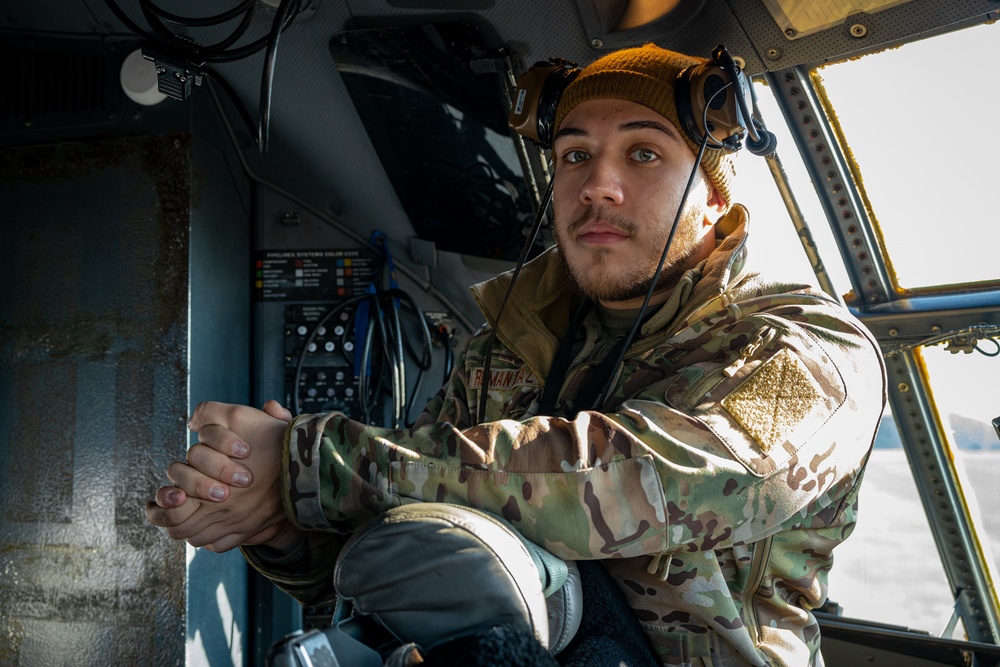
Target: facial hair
[{"x": 635, "y": 281}]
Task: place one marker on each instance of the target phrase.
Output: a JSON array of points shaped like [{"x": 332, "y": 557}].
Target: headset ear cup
[
  {"x": 552, "y": 90},
  {"x": 682, "y": 100},
  {"x": 537, "y": 95}
]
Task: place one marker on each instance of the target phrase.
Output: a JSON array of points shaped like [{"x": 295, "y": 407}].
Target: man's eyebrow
[
  {"x": 624, "y": 127},
  {"x": 653, "y": 125},
  {"x": 568, "y": 132}
]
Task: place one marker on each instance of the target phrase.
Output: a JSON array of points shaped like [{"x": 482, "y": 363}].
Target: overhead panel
[{"x": 798, "y": 19}]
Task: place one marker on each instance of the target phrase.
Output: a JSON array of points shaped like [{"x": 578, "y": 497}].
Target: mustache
[{"x": 593, "y": 215}]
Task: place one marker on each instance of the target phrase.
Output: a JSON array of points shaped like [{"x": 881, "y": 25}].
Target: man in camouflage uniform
[{"x": 715, "y": 479}]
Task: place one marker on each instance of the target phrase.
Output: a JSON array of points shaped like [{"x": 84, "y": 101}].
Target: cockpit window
[{"x": 921, "y": 138}]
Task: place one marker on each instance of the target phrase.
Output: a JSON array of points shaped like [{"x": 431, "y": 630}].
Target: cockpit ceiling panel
[{"x": 798, "y": 19}]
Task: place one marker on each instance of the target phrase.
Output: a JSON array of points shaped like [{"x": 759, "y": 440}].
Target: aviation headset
[{"x": 711, "y": 100}]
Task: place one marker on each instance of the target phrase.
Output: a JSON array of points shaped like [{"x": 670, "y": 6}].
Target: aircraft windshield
[{"x": 921, "y": 137}]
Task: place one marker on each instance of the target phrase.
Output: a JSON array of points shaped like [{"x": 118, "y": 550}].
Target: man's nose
[{"x": 603, "y": 184}]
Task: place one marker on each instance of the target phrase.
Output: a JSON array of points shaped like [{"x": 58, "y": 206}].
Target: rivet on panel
[
  {"x": 903, "y": 387},
  {"x": 858, "y": 30}
]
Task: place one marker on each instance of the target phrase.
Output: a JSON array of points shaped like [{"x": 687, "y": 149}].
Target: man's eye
[
  {"x": 644, "y": 155},
  {"x": 576, "y": 156}
]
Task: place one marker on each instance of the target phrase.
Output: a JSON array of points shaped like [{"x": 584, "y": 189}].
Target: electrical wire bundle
[
  {"x": 382, "y": 345},
  {"x": 181, "y": 61}
]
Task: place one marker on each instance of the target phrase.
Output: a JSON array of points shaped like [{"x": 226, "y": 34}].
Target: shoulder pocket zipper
[{"x": 703, "y": 384}]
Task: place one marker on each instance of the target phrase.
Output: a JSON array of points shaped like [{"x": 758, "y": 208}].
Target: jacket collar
[{"x": 540, "y": 307}]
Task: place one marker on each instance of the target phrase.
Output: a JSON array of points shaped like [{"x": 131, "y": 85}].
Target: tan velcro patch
[{"x": 775, "y": 399}]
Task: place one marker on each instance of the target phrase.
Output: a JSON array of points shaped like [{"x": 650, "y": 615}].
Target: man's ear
[
  {"x": 714, "y": 208},
  {"x": 715, "y": 200}
]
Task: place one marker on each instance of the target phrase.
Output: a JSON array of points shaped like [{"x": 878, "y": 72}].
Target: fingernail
[
  {"x": 241, "y": 479},
  {"x": 189, "y": 425},
  {"x": 173, "y": 497},
  {"x": 217, "y": 492},
  {"x": 241, "y": 449}
]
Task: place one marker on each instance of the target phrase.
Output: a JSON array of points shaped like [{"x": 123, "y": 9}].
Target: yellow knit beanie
[{"x": 646, "y": 75}]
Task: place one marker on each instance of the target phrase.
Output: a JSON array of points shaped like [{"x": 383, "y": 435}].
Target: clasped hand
[{"x": 228, "y": 493}]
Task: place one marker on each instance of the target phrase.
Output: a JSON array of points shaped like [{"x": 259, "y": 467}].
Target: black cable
[
  {"x": 162, "y": 31},
  {"x": 241, "y": 108},
  {"x": 129, "y": 23},
  {"x": 286, "y": 12},
  {"x": 413, "y": 396},
  {"x": 400, "y": 366},
  {"x": 733, "y": 69},
  {"x": 202, "y": 52},
  {"x": 238, "y": 53},
  {"x": 394, "y": 364},
  {"x": 449, "y": 359},
  {"x": 623, "y": 347},
  {"x": 191, "y": 22},
  {"x": 210, "y": 53},
  {"x": 994, "y": 353},
  {"x": 234, "y": 36},
  {"x": 425, "y": 360},
  {"x": 977, "y": 332},
  {"x": 704, "y": 119},
  {"x": 375, "y": 371},
  {"x": 529, "y": 242},
  {"x": 196, "y": 56},
  {"x": 362, "y": 373}
]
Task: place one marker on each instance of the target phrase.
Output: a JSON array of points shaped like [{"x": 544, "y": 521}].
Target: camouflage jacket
[{"x": 715, "y": 481}]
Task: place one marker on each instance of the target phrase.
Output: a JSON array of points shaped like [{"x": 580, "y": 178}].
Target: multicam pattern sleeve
[{"x": 754, "y": 418}]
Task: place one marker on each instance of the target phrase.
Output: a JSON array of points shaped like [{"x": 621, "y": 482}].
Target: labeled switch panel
[{"x": 319, "y": 358}]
